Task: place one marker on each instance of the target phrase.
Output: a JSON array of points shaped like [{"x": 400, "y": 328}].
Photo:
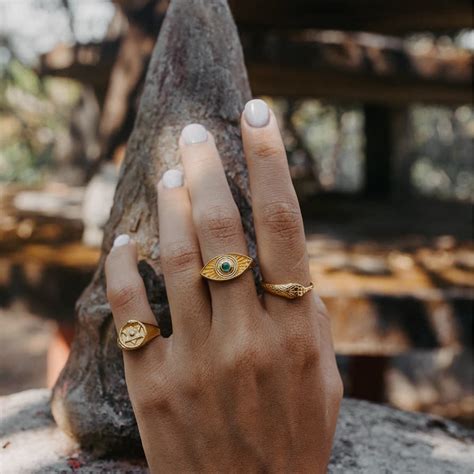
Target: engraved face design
[
  {"x": 296, "y": 291},
  {"x": 132, "y": 334},
  {"x": 288, "y": 290}
]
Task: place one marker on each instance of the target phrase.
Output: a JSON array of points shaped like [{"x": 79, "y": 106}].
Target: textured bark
[{"x": 196, "y": 73}]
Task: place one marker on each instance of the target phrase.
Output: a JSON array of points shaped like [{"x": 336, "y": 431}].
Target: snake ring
[{"x": 289, "y": 291}]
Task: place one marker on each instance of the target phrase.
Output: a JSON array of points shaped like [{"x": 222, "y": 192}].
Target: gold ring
[
  {"x": 287, "y": 290},
  {"x": 226, "y": 267},
  {"x": 134, "y": 334}
]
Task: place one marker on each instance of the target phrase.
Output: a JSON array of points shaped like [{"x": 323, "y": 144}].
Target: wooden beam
[
  {"x": 332, "y": 65},
  {"x": 300, "y": 83},
  {"x": 328, "y": 64},
  {"x": 356, "y": 67},
  {"x": 366, "y": 15}
]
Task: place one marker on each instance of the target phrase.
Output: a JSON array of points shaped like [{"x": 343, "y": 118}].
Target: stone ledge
[{"x": 370, "y": 439}]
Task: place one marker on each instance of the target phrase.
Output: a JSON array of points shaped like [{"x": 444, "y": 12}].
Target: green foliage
[
  {"x": 34, "y": 117},
  {"x": 20, "y": 163},
  {"x": 442, "y": 145},
  {"x": 24, "y": 78}
]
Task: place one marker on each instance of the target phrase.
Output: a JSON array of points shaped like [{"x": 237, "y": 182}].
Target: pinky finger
[{"x": 126, "y": 292}]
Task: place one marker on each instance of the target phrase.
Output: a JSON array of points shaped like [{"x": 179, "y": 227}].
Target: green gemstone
[{"x": 226, "y": 267}]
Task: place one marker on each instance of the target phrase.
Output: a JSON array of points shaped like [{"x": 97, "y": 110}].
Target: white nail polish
[
  {"x": 194, "y": 133},
  {"x": 173, "y": 179},
  {"x": 257, "y": 113},
  {"x": 121, "y": 240}
]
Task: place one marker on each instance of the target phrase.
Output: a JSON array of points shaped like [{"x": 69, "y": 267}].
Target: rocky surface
[
  {"x": 196, "y": 74},
  {"x": 370, "y": 439}
]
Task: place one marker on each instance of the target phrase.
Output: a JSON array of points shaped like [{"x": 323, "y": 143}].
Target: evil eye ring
[{"x": 226, "y": 267}]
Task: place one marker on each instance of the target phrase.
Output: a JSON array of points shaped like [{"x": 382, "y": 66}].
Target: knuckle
[
  {"x": 322, "y": 311},
  {"x": 191, "y": 390},
  {"x": 244, "y": 362},
  {"x": 311, "y": 358},
  {"x": 241, "y": 359},
  {"x": 302, "y": 348},
  {"x": 125, "y": 295},
  {"x": 220, "y": 222},
  {"x": 203, "y": 161},
  {"x": 265, "y": 150},
  {"x": 193, "y": 386},
  {"x": 179, "y": 256},
  {"x": 154, "y": 397},
  {"x": 248, "y": 360},
  {"x": 338, "y": 388},
  {"x": 264, "y": 365},
  {"x": 282, "y": 218}
]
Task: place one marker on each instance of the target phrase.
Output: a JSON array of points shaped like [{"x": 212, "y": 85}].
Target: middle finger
[{"x": 216, "y": 217}]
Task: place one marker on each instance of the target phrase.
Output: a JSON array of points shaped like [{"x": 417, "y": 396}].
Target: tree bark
[{"x": 196, "y": 74}]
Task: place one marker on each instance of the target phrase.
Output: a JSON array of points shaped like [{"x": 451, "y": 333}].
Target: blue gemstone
[{"x": 226, "y": 267}]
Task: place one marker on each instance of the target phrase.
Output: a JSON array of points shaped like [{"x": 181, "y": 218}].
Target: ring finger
[{"x": 279, "y": 227}]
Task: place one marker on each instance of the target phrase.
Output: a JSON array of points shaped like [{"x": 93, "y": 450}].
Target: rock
[
  {"x": 375, "y": 439},
  {"x": 196, "y": 74},
  {"x": 370, "y": 439},
  {"x": 98, "y": 200},
  {"x": 31, "y": 442}
]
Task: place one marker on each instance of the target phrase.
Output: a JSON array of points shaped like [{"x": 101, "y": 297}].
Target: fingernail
[
  {"x": 121, "y": 240},
  {"x": 257, "y": 113},
  {"x": 194, "y": 133},
  {"x": 173, "y": 179}
]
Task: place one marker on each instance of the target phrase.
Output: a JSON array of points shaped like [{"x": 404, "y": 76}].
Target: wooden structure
[
  {"x": 298, "y": 49},
  {"x": 321, "y": 49},
  {"x": 404, "y": 16}
]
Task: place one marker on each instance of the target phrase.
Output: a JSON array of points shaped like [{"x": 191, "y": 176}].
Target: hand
[{"x": 244, "y": 384}]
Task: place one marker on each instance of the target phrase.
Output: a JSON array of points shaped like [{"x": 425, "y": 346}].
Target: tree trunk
[
  {"x": 128, "y": 73},
  {"x": 196, "y": 73}
]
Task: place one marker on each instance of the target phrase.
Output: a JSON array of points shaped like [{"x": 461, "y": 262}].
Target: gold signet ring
[
  {"x": 226, "y": 267},
  {"x": 287, "y": 290},
  {"x": 134, "y": 334}
]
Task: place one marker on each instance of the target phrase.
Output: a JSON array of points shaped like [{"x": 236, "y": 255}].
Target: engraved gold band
[
  {"x": 134, "y": 335},
  {"x": 226, "y": 267},
  {"x": 287, "y": 290}
]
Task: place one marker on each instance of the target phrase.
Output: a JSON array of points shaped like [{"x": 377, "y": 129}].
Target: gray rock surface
[
  {"x": 196, "y": 74},
  {"x": 370, "y": 439}
]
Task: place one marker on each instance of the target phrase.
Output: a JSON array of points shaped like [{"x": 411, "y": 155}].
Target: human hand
[{"x": 244, "y": 384}]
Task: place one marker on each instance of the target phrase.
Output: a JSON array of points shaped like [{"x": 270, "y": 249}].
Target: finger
[
  {"x": 181, "y": 263},
  {"x": 278, "y": 223},
  {"x": 126, "y": 292},
  {"x": 216, "y": 217}
]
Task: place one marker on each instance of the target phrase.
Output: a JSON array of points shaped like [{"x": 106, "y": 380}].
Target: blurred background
[{"x": 375, "y": 102}]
